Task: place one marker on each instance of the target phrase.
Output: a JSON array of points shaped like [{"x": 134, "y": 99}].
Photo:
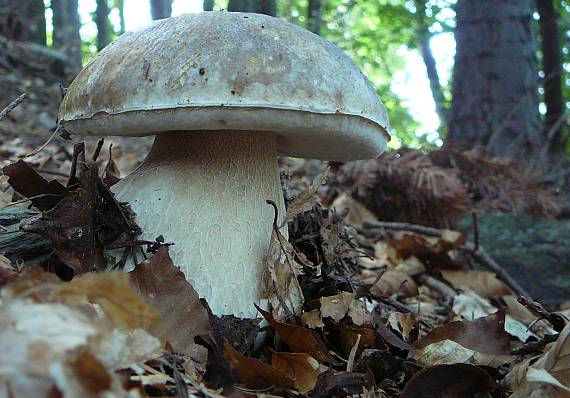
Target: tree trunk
[
  {"x": 424, "y": 37},
  {"x": 160, "y": 9},
  {"x": 102, "y": 22},
  {"x": 208, "y": 5},
  {"x": 66, "y": 25},
  {"x": 23, "y": 20},
  {"x": 314, "y": 14},
  {"x": 495, "y": 101},
  {"x": 267, "y": 7},
  {"x": 551, "y": 66}
]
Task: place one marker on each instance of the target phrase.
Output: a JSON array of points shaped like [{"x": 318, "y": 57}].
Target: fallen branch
[
  {"x": 12, "y": 105},
  {"x": 477, "y": 252}
]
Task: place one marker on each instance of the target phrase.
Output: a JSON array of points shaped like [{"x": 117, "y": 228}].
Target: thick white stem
[{"x": 206, "y": 192}]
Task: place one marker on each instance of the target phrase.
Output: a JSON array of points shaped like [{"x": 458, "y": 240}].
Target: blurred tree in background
[{"x": 511, "y": 80}]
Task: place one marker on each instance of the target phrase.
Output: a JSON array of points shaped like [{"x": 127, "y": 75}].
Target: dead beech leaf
[
  {"x": 336, "y": 306},
  {"x": 302, "y": 368},
  {"x": 307, "y": 199},
  {"x": 256, "y": 374},
  {"x": 26, "y": 181},
  {"x": 181, "y": 316},
  {"x": 557, "y": 359},
  {"x": 392, "y": 282},
  {"x": 312, "y": 319},
  {"x": 112, "y": 291},
  {"x": 484, "y": 283},
  {"x": 485, "y": 335},
  {"x": 348, "y": 335},
  {"x": 457, "y": 381},
  {"x": 430, "y": 250},
  {"x": 403, "y": 323},
  {"x": 448, "y": 352},
  {"x": 298, "y": 338},
  {"x": 357, "y": 213},
  {"x": 387, "y": 335}
]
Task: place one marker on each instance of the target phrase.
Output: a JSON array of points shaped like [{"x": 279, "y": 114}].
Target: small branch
[
  {"x": 534, "y": 346},
  {"x": 400, "y": 226},
  {"x": 477, "y": 252},
  {"x": 475, "y": 230},
  {"x": 41, "y": 148},
  {"x": 12, "y": 105}
]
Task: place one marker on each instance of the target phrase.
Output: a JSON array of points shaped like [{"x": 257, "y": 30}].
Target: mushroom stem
[{"x": 206, "y": 191}]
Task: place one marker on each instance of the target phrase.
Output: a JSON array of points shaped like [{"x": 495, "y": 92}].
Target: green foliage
[{"x": 373, "y": 34}]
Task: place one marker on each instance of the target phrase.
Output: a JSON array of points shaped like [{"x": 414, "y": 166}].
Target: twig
[
  {"x": 475, "y": 230},
  {"x": 481, "y": 256},
  {"x": 12, "y": 105},
  {"x": 41, "y": 148},
  {"x": 352, "y": 355},
  {"x": 534, "y": 346},
  {"x": 400, "y": 226},
  {"x": 558, "y": 321},
  {"x": 478, "y": 253},
  {"x": 98, "y": 149}
]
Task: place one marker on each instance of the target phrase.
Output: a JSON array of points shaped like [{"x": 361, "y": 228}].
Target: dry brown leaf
[
  {"x": 349, "y": 334},
  {"x": 448, "y": 352},
  {"x": 91, "y": 373},
  {"x": 181, "y": 316},
  {"x": 336, "y": 306},
  {"x": 484, "y": 283},
  {"x": 302, "y": 368},
  {"x": 557, "y": 359},
  {"x": 403, "y": 323},
  {"x": 484, "y": 335},
  {"x": 312, "y": 319},
  {"x": 307, "y": 199},
  {"x": 298, "y": 338},
  {"x": 357, "y": 213},
  {"x": 392, "y": 282},
  {"x": 457, "y": 381},
  {"x": 112, "y": 291},
  {"x": 256, "y": 374}
]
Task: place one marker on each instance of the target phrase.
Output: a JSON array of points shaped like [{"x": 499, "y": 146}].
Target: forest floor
[{"x": 405, "y": 306}]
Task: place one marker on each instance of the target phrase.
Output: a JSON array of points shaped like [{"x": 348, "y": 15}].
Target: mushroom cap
[{"x": 230, "y": 71}]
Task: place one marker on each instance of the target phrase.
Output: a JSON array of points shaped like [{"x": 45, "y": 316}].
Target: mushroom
[{"x": 224, "y": 94}]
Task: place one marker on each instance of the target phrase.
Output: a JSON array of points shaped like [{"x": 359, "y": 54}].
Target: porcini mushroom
[{"x": 225, "y": 94}]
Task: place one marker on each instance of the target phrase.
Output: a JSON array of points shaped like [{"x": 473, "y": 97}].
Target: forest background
[{"x": 505, "y": 88}]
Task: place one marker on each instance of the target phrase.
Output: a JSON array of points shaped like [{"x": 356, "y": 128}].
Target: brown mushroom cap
[{"x": 230, "y": 71}]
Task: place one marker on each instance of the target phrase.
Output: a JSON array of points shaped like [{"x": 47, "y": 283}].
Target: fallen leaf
[
  {"x": 26, "y": 181},
  {"x": 298, "y": 338},
  {"x": 312, "y": 319},
  {"x": 456, "y": 380},
  {"x": 91, "y": 373},
  {"x": 307, "y": 199},
  {"x": 181, "y": 316},
  {"x": 485, "y": 335},
  {"x": 112, "y": 291},
  {"x": 218, "y": 370},
  {"x": 356, "y": 212},
  {"x": 302, "y": 368},
  {"x": 256, "y": 374},
  {"x": 394, "y": 282},
  {"x": 403, "y": 323},
  {"x": 389, "y": 337},
  {"x": 336, "y": 306},
  {"x": 449, "y": 352},
  {"x": 484, "y": 283}
]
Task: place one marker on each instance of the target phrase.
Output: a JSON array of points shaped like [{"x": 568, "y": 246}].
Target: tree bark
[
  {"x": 102, "y": 22},
  {"x": 160, "y": 9},
  {"x": 424, "y": 37},
  {"x": 208, "y": 5},
  {"x": 23, "y": 20},
  {"x": 552, "y": 83},
  {"x": 267, "y": 7},
  {"x": 314, "y": 14},
  {"x": 66, "y": 25},
  {"x": 495, "y": 101}
]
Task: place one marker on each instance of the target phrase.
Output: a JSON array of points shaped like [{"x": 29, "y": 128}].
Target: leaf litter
[{"x": 357, "y": 307}]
